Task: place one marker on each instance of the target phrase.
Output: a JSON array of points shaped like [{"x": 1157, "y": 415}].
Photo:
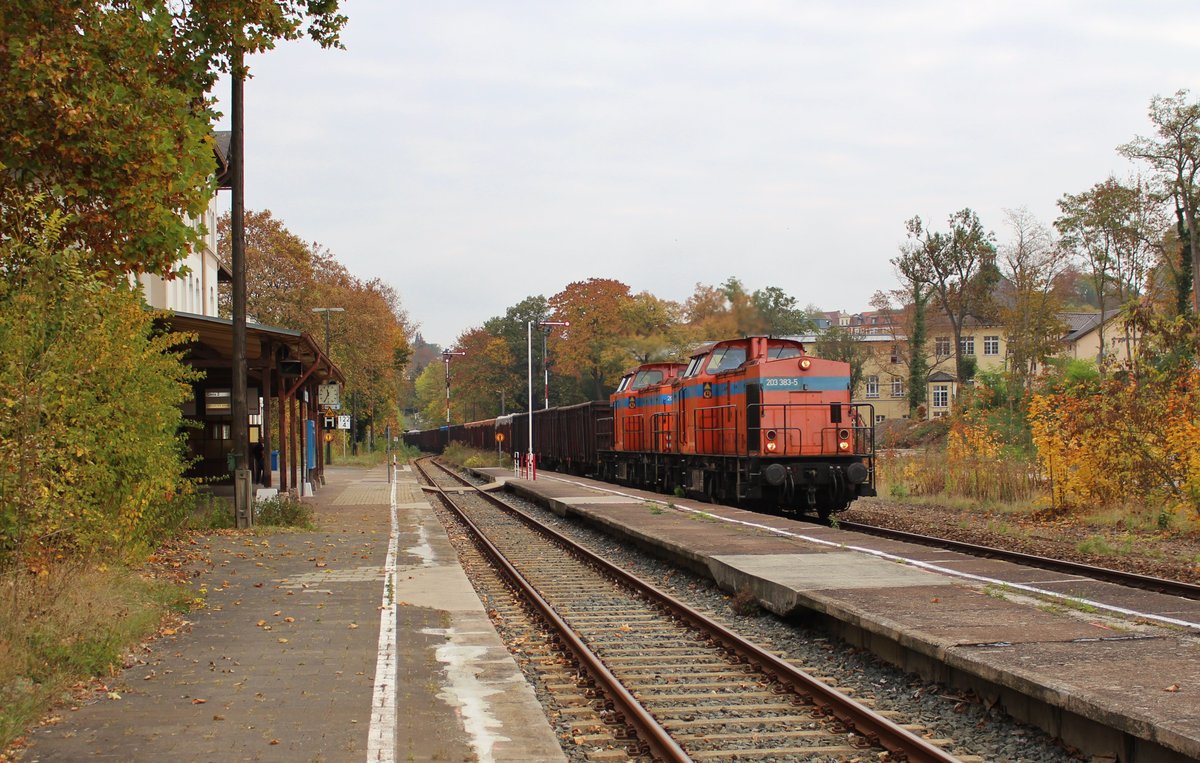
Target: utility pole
[
  {"x": 529, "y": 370},
  {"x": 240, "y": 430},
  {"x": 446, "y": 355}
]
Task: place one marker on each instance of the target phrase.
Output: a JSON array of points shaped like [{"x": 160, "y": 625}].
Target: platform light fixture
[{"x": 529, "y": 368}]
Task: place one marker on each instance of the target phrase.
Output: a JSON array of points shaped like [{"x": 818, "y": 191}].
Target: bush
[
  {"x": 283, "y": 511},
  {"x": 91, "y": 460}
]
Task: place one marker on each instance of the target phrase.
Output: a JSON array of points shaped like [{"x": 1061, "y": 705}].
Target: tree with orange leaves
[{"x": 594, "y": 347}]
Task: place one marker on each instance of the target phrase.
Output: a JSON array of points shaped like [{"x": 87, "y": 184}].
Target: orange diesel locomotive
[{"x": 756, "y": 421}]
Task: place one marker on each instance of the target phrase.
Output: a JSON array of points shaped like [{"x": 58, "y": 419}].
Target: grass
[
  {"x": 63, "y": 627},
  {"x": 363, "y": 458},
  {"x": 284, "y": 511},
  {"x": 216, "y": 513},
  {"x": 928, "y": 473},
  {"x": 461, "y": 455}
]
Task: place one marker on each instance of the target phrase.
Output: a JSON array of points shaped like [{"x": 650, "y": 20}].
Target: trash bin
[{"x": 274, "y": 460}]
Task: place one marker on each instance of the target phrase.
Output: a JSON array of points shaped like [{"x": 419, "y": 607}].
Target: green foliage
[
  {"x": 90, "y": 455},
  {"x": 836, "y": 343},
  {"x": 283, "y": 511},
  {"x": 125, "y": 151},
  {"x": 1070, "y": 375}
]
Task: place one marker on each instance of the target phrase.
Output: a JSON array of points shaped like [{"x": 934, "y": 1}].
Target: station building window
[
  {"x": 941, "y": 346},
  {"x": 897, "y": 387},
  {"x": 991, "y": 345},
  {"x": 967, "y": 345},
  {"x": 872, "y": 386},
  {"x": 941, "y": 396}
]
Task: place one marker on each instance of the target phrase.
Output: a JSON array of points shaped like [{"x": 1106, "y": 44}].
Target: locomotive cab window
[
  {"x": 694, "y": 366},
  {"x": 726, "y": 359},
  {"x": 784, "y": 351},
  {"x": 624, "y": 383},
  {"x": 646, "y": 378}
]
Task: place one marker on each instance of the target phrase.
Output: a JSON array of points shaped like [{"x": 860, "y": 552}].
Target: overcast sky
[{"x": 476, "y": 153}]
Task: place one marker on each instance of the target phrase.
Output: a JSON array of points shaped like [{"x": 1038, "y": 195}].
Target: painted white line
[
  {"x": 381, "y": 736},
  {"x": 905, "y": 560}
]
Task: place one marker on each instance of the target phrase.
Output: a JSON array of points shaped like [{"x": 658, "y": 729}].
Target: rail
[
  {"x": 1130, "y": 579},
  {"x": 858, "y": 718}
]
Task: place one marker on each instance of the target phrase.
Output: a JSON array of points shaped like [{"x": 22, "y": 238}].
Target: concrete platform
[
  {"x": 362, "y": 641},
  {"x": 1062, "y": 652}
]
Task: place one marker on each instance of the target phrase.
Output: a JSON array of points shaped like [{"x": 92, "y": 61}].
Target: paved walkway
[{"x": 320, "y": 646}]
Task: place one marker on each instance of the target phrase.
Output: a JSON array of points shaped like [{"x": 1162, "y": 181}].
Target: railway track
[
  {"x": 1130, "y": 579},
  {"x": 684, "y": 686}
]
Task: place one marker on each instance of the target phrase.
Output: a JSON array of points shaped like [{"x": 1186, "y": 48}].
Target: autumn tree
[
  {"x": 286, "y": 278},
  {"x": 479, "y": 377},
  {"x": 1108, "y": 228},
  {"x": 124, "y": 152},
  {"x": 729, "y": 310},
  {"x": 708, "y": 314},
  {"x": 655, "y": 329},
  {"x": 959, "y": 268},
  {"x": 595, "y": 346},
  {"x": 1032, "y": 262},
  {"x": 1174, "y": 156}
]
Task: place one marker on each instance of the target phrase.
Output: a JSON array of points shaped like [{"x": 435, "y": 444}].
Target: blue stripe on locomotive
[
  {"x": 773, "y": 384},
  {"x": 623, "y": 402}
]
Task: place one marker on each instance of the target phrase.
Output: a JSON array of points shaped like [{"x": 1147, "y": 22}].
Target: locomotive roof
[{"x": 773, "y": 341}]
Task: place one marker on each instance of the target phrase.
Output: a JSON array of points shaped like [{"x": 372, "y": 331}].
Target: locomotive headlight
[
  {"x": 843, "y": 445},
  {"x": 805, "y": 364},
  {"x": 771, "y": 447}
]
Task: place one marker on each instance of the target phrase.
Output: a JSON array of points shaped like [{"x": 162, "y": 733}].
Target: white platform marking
[
  {"x": 381, "y": 736},
  {"x": 905, "y": 560}
]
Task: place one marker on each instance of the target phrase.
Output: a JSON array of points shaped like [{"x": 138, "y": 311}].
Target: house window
[
  {"x": 895, "y": 354},
  {"x": 897, "y": 387},
  {"x": 941, "y": 396},
  {"x": 872, "y": 386},
  {"x": 991, "y": 345},
  {"x": 880, "y": 418},
  {"x": 967, "y": 345},
  {"x": 941, "y": 346}
]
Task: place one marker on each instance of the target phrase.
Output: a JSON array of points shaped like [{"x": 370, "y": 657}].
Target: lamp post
[
  {"x": 529, "y": 368},
  {"x": 446, "y": 355},
  {"x": 327, "y": 311}
]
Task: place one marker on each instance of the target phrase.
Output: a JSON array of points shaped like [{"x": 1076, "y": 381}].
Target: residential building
[{"x": 885, "y": 374}]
